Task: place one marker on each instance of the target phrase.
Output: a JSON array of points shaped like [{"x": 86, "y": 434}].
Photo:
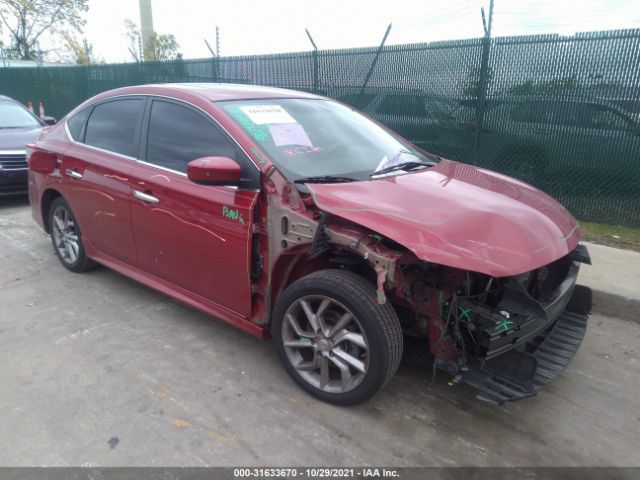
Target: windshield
[
  {"x": 14, "y": 115},
  {"x": 319, "y": 138}
]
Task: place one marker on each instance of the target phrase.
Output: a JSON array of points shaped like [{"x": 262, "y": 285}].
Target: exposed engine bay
[{"x": 490, "y": 332}]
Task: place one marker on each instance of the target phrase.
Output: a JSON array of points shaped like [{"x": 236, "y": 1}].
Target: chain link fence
[{"x": 559, "y": 112}]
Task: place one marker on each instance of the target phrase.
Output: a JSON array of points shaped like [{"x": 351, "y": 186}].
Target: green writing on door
[{"x": 232, "y": 214}]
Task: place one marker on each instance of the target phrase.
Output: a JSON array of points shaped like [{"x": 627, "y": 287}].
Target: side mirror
[
  {"x": 50, "y": 120},
  {"x": 214, "y": 171}
]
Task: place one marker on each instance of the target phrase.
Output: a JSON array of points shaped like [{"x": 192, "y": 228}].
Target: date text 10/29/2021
[{"x": 316, "y": 473}]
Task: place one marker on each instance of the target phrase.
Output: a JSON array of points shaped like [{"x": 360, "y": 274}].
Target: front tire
[
  {"x": 334, "y": 339},
  {"x": 66, "y": 237}
]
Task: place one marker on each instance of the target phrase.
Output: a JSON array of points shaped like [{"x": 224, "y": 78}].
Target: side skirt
[{"x": 176, "y": 292}]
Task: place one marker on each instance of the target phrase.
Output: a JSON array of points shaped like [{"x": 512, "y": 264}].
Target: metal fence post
[
  {"x": 315, "y": 61},
  {"x": 315, "y": 71},
  {"x": 483, "y": 83}
]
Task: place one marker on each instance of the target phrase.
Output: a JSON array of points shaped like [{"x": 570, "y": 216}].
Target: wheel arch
[
  {"x": 48, "y": 196},
  {"x": 289, "y": 268}
]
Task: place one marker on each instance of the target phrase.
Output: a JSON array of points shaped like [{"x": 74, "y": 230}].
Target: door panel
[
  {"x": 96, "y": 171},
  {"x": 195, "y": 236},
  {"x": 99, "y": 197}
]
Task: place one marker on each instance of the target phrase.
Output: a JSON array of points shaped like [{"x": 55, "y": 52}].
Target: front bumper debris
[
  {"x": 532, "y": 334},
  {"x": 522, "y": 371}
]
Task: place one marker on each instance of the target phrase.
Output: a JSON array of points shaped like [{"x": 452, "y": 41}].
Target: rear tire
[
  {"x": 334, "y": 339},
  {"x": 67, "y": 238}
]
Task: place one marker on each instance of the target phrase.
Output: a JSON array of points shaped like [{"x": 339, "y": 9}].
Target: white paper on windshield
[
  {"x": 289, "y": 134},
  {"x": 266, "y": 114}
]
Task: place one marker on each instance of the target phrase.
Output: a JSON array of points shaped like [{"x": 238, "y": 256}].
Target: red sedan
[{"x": 295, "y": 216}]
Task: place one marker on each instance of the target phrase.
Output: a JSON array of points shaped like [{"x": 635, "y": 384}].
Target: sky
[{"x": 274, "y": 26}]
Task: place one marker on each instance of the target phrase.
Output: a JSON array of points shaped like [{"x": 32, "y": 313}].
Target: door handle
[
  {"x": 145, "y": 197},
  {"x": 73, "y": 174}
]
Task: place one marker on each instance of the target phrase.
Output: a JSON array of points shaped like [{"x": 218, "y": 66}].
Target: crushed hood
[{"x": 460, "y": 216}]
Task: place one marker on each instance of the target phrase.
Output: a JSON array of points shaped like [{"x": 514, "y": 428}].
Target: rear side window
[
  {"x": 76, "y": 123},
  {"x": 178, "y": 135},
  {"x": 114, "y": 126}
]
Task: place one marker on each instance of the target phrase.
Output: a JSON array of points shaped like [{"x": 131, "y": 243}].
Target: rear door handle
[
  {"x": 73, "y": 174},
  {"x": 145, "y": 197}
]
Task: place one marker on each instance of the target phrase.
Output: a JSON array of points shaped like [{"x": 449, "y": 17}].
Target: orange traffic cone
[
  {"x": 41, "y": 110},
  {"x": 30, "y": 107}
]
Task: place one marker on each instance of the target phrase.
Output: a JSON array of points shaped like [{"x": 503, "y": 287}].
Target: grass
[{"x": 612, "y": 235}]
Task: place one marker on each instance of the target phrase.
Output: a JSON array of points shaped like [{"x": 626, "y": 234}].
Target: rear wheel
[
  {"x": 333, "y": 338},
  {"x": 66, "y": 237}
]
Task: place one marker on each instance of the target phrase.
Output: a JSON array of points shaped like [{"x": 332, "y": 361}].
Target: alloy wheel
[
  {"x": 325, "y": 343},
  {"x": 65, "y": 236}
]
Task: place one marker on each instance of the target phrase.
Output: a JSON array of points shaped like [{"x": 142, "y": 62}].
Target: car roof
[
  {"x": 214, "y": 91},
  {"x": 5, "y": 98}
]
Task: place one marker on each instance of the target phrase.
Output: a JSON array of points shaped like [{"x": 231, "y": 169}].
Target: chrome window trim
[
  {"x": 182, "y": 174},
  {"x": 151, "y": 96}
]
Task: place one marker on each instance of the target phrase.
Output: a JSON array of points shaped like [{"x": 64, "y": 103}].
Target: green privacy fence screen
[{"x": 561, "y": 113}]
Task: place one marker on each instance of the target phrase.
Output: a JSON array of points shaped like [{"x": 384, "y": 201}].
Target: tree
[
  {"x": 159, "y": 46},
  {"x": 80, "y": 52},
  {"x": 133, "y": 33},
  {"x": 27, "y": 20}
]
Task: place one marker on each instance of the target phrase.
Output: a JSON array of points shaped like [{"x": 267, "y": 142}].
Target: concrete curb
[
  {"x": 606, "y": 303},
  {"x": 614, "y": 279}
]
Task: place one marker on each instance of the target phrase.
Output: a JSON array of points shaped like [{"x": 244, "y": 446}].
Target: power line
[
  {"x": 450, "y": 8},
  {"x": 438, "y": 19},
  {"x": 592, "y": 13}
]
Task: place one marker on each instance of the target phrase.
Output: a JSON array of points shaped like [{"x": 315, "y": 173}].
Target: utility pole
[{"x": 146, "y": 24}]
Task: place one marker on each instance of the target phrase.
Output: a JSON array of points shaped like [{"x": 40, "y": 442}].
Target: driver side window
[{"x": 178, "y": 134}]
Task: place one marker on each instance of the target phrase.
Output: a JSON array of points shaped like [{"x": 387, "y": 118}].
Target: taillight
[{"x": 42, "y": 162}]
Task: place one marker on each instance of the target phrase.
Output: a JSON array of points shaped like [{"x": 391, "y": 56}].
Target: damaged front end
[
  {"x": 507, "y": 336},
  {"x": 511, "y": 336}
]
